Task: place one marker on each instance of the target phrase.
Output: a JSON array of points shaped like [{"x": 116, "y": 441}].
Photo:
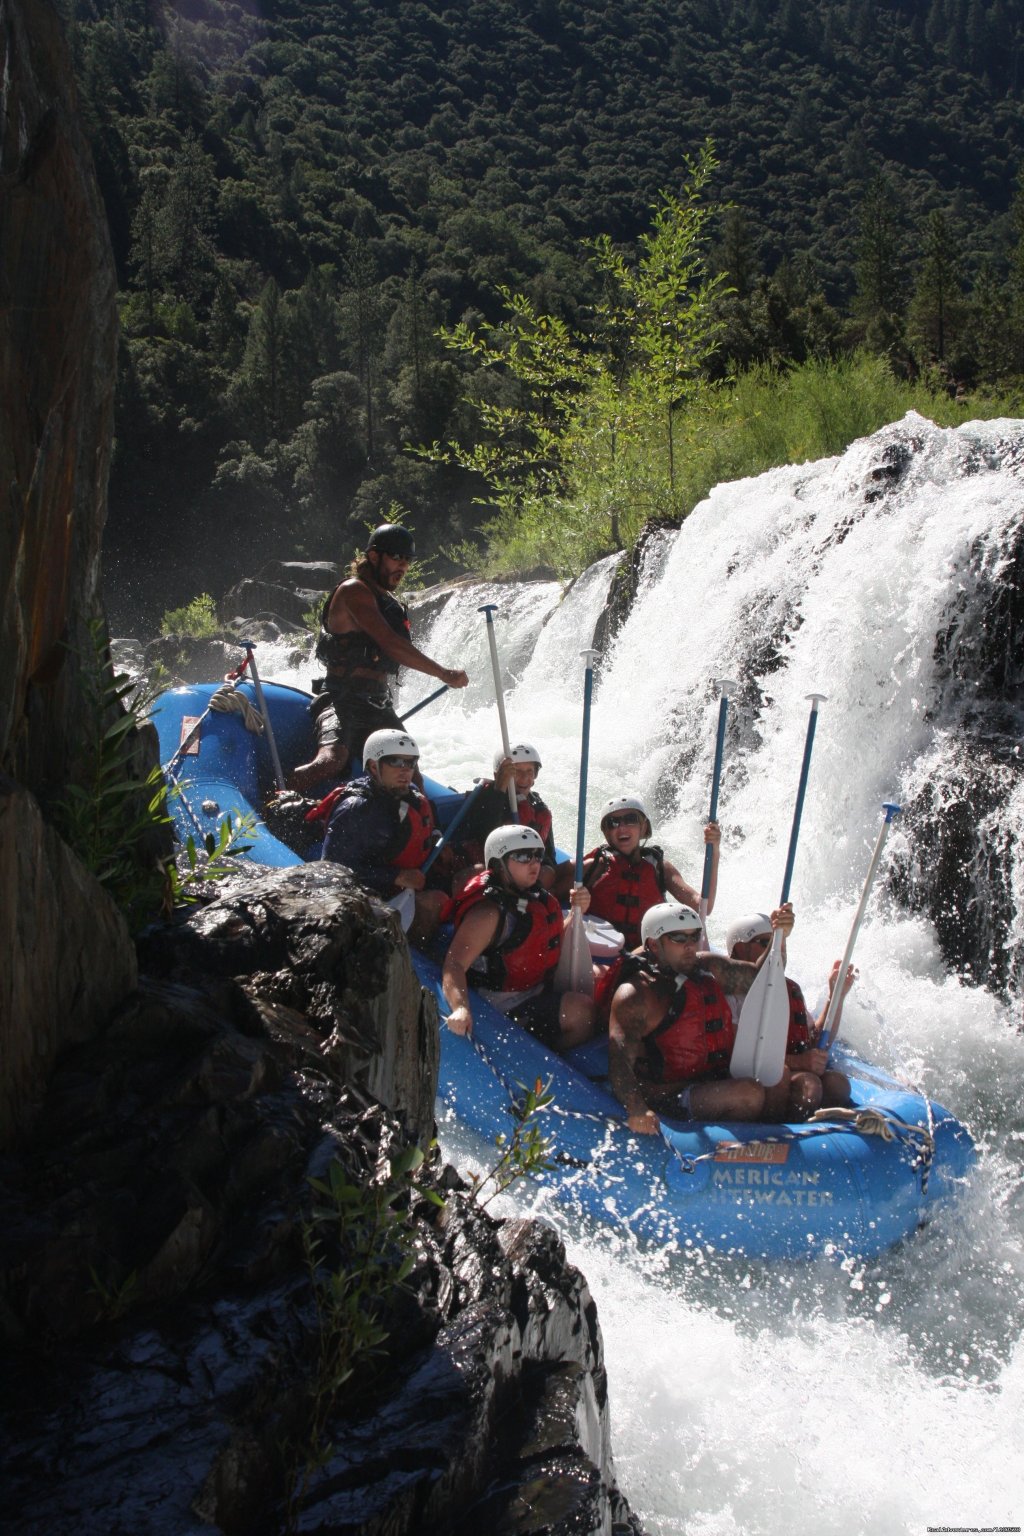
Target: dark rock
[
  {"x": 249, "y": 598},
  {"x": 190, "y": 660},
  {"x": 308, "y": 943},
  {"x": 58, "y": 342},
  {"x": 68, "y": 956}
]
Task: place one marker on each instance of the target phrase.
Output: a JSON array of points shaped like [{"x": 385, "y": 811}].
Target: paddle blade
[
  {"x": 574, "y": 972},
  {"x": 405, "y": 905},
  {"x": 763, "y": 1029}
]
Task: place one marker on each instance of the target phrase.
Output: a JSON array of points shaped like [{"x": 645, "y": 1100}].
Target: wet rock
[{"x": 309, "y": 941}]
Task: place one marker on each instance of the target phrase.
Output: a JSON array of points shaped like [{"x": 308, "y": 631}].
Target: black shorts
[
  {"x": 344, "y": 715},
  {"x": 540, "y": 1016}
]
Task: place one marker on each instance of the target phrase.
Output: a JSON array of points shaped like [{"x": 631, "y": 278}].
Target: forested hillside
[{"x": 300, "y": 199}]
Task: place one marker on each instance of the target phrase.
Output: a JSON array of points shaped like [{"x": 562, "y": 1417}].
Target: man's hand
[
  {"x": 410, "y": 880},
  {"x": 453, "y": 677},
  {"x": 784, "y": 919},
  {"x": 644, "y": 1121},
  {"x": 712, "y": 833},
  {"x": 460, "y": 1020},
  {"x": 833, "y": 976},
  {"x": 505, "y": 773}
]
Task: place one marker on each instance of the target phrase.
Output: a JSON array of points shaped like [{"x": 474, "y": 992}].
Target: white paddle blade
[
  {"x": 405, "y": 905},
  {"x": 574, "y": 972},
  {"x": 763, "y": 1029}
]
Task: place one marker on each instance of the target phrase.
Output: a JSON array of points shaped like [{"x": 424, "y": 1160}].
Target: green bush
[{"x": 197, "y": 619}]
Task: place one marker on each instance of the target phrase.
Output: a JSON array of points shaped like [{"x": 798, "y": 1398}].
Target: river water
[{"x": 752, "y": 1399}]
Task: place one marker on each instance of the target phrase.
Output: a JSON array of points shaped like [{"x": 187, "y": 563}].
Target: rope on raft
[
  {"x": 871, "y": 1120},
  {"x": 226, "y": 700}
]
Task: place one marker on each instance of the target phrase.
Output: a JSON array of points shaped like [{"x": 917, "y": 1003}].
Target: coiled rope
[{"x": 226, "y": 700}]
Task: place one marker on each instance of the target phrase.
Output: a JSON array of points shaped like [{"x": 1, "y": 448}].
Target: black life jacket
[{"x": 343, "y": 653}]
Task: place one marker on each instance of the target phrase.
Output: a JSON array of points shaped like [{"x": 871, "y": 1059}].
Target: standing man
[{"x": 363, "y": 640}]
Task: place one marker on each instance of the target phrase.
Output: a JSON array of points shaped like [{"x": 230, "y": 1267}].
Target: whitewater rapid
[{"x": 751, "y": 1399}]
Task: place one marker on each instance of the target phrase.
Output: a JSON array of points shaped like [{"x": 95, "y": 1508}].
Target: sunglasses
[
  {"x": 763, "y": 941},
  {"x": 398, "y": 762},
  {"x": 525, "y": 856},
  {"x": 682, "y": 938},
  {"x": 627, "y": 819}
]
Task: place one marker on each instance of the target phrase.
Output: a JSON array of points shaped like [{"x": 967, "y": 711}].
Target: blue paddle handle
[
  {"x": 798, "y": 811},
  {"x": 581, "y": 810},
  {"x": 450, "y": 828},
  {"x": 716, "y": 779},
  {"x": 423, "y": 703}
]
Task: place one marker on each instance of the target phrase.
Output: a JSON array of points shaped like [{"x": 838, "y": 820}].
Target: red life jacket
[
  {"x": 695, "y": 1037},
  {"x": 529, "y": 951},
  {"x": 799, "y": 1037},
  {"x": 621, "y": 891},
  {"x": 534, "y": 813},
  {"x": 418, "y": 829}
]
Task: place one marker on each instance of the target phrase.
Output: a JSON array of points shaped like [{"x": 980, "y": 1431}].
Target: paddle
[
  {"x": 574, "y": 972},
  {"x": 463, "y": 809},
  {"x": 830, "y": 1028},
  {"x": 405, "y": 905},
  {"x": 488, "y": 610},
  {"x": 763, "y": 1028},
  {"x": 247, "y": 646},
  {"x": 725, "y": 683},
  {"x": 423, "y": 703}
]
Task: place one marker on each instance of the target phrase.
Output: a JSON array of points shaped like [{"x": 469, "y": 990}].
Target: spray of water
[{"x": 876, "y": 1398}]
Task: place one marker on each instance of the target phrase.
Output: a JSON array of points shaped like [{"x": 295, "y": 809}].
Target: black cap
[{"x": 394, "y": 540}]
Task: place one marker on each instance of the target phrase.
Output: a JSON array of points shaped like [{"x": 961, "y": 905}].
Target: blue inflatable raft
[{"x": 835, "y": 1187}]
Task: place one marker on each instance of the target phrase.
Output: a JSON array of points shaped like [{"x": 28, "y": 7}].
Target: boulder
[{"x": 166, "y": 1249}]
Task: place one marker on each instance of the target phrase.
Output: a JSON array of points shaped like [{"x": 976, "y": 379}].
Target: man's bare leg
[{"x": 330, "y": 763}]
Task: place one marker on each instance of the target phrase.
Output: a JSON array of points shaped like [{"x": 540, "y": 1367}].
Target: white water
[{"x": 779, "y": 1399}]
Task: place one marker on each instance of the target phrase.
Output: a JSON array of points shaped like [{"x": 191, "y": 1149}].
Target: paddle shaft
[
  {"x": 716, "y": 779},
  {"x": 830, "y": 1028},
  {"x": 450, "y": 828},
  {"x": 489, "y": 610},
  {"x": 247, "y": 646},
  {"x": 423, "y": 703},
  {"x": 805, "y": 767},
  {"x": 581, "y": 808}
]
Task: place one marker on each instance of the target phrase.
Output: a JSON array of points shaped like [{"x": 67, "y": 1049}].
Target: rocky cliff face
[
  {"x": 58, "y": 337},
  {"x": 66, "y": 952},
  {"x": 156, "y": 1251}
]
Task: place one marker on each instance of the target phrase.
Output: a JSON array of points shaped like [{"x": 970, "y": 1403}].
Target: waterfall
[{"x": 756, "y": 1400}]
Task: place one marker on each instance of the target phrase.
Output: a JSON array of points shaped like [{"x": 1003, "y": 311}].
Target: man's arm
[
  {"x": 626, "y": 1029},
  {"x": 355, "y": 598},
  {"x": 472, "y": 937},
  {"x": 734, "y": 976}
]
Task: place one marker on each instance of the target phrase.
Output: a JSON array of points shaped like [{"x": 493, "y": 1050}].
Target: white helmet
[
  {"x": 389, "y": 743},
  {"x": 669, "y": 917},
  {"x": 511, "y": 839},
  {"x": 522, "y": 752},
  {"x": 742, "y": 929},
  {"x": 626, "y": 803}
]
